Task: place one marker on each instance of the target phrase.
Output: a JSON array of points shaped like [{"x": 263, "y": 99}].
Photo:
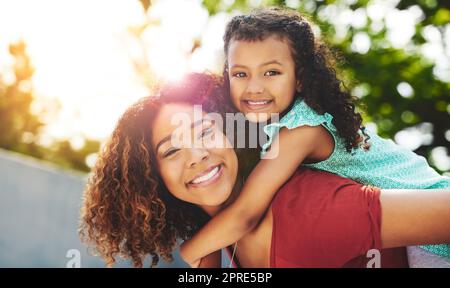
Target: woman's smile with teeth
[{"x": 208, "y": 177}]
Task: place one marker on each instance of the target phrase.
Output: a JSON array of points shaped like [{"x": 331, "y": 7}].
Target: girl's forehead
[
  {"x": 270, "y": 48},
  {"x": 269, "y": 40}
]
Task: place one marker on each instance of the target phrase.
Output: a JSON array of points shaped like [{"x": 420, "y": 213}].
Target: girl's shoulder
[{"x": 301, "y": 114}]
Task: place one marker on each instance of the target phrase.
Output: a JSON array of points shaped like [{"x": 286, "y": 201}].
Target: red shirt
[{"x": 324, "y": 220}]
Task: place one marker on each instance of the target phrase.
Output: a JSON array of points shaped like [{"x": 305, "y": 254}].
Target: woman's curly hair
[
  {"x": 321, "y": 89},
  {"x": 127, "y": 210}
]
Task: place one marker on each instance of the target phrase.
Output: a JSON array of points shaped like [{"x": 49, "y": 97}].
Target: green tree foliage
[
  {"x": 21, "y": 129},
  {"x": 375, "y": 75}
]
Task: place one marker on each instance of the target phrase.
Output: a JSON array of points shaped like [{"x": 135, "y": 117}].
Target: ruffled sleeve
[{"x": 300, "y": 115}]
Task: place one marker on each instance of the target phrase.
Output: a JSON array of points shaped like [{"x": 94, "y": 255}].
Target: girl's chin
[{"x": 257, "y": 117}]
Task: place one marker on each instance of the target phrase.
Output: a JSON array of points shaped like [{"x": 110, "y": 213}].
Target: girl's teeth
[
  {"x": 258, "y": 102},
  {"x": 206, "y": 177}
]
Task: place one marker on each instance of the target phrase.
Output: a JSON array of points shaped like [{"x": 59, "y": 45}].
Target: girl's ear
[{"x": 298, "y": 86}]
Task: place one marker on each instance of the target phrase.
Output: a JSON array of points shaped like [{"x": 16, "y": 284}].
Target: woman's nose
[{"x": 197, "y": 155}]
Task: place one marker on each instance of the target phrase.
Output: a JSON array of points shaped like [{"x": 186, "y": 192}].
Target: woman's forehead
[{"x": 175, "y": 116}]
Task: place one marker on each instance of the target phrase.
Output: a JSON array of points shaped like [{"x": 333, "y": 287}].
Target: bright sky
[{"x": 82, "y": 53}]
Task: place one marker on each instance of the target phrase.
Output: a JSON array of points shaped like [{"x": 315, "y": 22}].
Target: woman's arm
[
  {"x": 414, "y": 217},
  {"x": 285, "y": 155}
]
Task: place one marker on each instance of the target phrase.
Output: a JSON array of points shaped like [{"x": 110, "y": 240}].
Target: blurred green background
[{"x": 395, "y": 57}]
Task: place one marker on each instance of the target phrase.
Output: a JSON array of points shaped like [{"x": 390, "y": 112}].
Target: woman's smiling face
[{"x": 201, "y": 166}]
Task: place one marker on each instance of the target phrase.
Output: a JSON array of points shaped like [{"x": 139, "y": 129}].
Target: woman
[{"x": 145, "y": 193}]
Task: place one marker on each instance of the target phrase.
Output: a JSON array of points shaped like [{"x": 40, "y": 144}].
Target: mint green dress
[{"x": 385, "y": 165}]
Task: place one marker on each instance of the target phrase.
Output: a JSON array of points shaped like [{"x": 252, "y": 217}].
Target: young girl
[{"x": 275, "y": 65}]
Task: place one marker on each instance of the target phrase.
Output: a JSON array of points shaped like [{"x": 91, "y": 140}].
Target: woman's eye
[
  {"x": 271, "y": 73},
  {"x": 239, "y": 75},
  {"x": 206, "y": 132},
  {"x": 170, "y": 152}
]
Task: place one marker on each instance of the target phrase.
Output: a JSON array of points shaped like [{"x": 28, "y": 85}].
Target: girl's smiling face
[{"x": 262, "y": 77}]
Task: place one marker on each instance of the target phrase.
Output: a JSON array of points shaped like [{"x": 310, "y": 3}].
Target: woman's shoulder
[
  {"x": 308, "y": 189},
  {"x": 315, "y": 212},
  {"x": 322, "y": 182},
  {"x": 324, "y": 196}
]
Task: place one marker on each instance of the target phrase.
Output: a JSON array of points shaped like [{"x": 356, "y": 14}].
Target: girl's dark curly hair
[
  {"x": 321, "y": 89},
  {"x": 127, "y": 210}
]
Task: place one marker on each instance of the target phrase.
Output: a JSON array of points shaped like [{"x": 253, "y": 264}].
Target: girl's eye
[
  {"x": 239, "y": 75},
  {"x": 272, "y": 73},
  {"x": 170, "y": 152}
]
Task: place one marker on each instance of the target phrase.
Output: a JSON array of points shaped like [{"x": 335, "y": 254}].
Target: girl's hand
[
  {"x": 195, "y": 264},
  {"x": 190, "y": 262}
]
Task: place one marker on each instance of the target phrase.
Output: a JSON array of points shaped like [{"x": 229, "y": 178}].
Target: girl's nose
[
  {"x": 255, "y": 86},
  {"x": 197, "y": 155}
]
